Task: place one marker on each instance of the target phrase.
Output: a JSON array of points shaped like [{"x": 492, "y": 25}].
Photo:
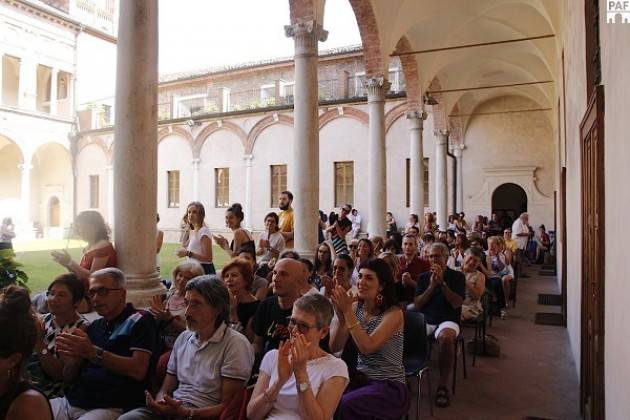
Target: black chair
[
  {"x": 415, "y": 354},
  {"x": 479, "y": 323},
  {"x": 459, "y": 342}
]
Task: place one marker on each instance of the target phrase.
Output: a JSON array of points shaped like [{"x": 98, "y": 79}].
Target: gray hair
[
  {"x": 317, "y": 305},
  {"x": 523, "y": 215},
  {"x": 116, "y": 274},
  {"x": 439, "y": 245},
  {"x": 475, "y": 252},
  {"x": 190, "y": 265},
  {"x": 215, "y": 293}
]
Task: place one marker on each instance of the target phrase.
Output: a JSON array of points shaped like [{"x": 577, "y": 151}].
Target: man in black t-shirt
[
  {"x": 270, "y": 322},
  {"x": 439, "y": 296}
]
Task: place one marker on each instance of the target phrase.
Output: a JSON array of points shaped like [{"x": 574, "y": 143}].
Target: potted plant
[{"x": 10, "y": 270}]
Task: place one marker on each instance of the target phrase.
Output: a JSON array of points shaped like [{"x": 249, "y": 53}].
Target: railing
[{"x": 220, "y": 100}]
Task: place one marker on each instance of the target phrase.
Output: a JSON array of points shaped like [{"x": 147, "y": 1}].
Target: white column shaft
[
  {"x": 459, "y": 205},
  {"x": 195, "y": 179},
  {"x": 25, "y": 198},
  {"x": 135, "y": 154},
  {"x": 305, "y": 172},
  {"x": 377, "y": 191},
  {"x": 110, "y": 194},
  {"x": 440, "y": 178},
  {"x": 53, "y": 91},
  {"x": 248, "y": 192},
  {"x": 1, "y": 74},
  {"x": 416, "y": 164}
]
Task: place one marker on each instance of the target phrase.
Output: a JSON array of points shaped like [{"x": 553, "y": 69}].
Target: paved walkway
[{"x": 535, "y": 376}]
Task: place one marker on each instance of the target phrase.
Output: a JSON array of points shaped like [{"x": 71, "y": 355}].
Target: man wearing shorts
[{"x": 439, "y": 296}]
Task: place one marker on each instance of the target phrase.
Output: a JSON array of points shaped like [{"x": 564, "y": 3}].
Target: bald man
[{"x": 270, "y": 322}]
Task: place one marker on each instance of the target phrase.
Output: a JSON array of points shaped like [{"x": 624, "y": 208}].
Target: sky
[{"x": 197, "y": 34}]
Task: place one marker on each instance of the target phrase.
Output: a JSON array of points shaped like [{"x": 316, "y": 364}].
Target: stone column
[
  {"x": 377, "y": 190},
  {"x": 248, "y": 191},
  {"x": 305, "y": 171},
  {"x": 416, "y": 162},
  {"x": 440, "y": 178},
  {"x": 135, "y": 154},
  {"x": 110, "y": 194},
  {"x": 53, "y": 91},
  {"x": 25, "y": 198},
  {"x": 195, "y": 179},
  {"x": 459, "y": 180},
  {"x": 1, "y": 75}
]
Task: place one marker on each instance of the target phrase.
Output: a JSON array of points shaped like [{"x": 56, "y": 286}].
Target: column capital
[
  {"x": 248, "y": 159},
  {"x": 196, "y": 161},
  {"x": 441, "y": 134},
  {"x": 457, "y": 149},
  {"x": 416, "y": 119},
  {"x": 306, "y": 35},
  {"x": 376, "y": 88}
]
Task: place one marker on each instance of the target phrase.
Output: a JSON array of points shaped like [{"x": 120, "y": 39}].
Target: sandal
[{"x": 442, "y": 399}]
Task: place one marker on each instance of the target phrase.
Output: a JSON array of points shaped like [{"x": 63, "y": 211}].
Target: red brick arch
[
  {"x": 393, "y": 114},
  {"x": 346, "y": 112},
  {"x": 410, "y": 70},
  {"x": 260, "y": 126},
  {"x": 96, "y": 141},
  {"x": 213, "y": 127},
  {"x": 374, "y": 66}
]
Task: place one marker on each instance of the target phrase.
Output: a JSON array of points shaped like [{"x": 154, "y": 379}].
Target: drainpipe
[{"x": 452, "y": 156}]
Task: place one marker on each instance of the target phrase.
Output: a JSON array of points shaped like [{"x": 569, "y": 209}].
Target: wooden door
[{"x": 593, "y": 272}]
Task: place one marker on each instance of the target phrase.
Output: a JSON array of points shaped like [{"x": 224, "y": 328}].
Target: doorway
[{"x": 509, "y": 200}]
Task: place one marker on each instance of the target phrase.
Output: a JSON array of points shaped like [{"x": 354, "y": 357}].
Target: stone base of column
[{"x": 142, "y": 288}]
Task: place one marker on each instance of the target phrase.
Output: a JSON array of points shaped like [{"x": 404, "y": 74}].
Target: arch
[
  {"x": 368, "y": 28},
  {"x": 343, "y": 112},
  {"x": 509, "y": 200},
  {"x": 216, "y": 126},
  {"x": 170, "y": 130},
  {"x": 50, "y": 143},
  {"x": 262, "y": 124},
  {"x": 410, "y": 70},
  {"x": 97, "y": 141},
  {"x": 393, "y": 114},
  {"x": 6, "y": 140},
  {"x": 54, "y": 212}
]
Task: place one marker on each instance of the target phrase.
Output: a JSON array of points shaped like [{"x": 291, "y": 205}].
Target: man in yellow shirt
[{"x": 286, "y": 217}]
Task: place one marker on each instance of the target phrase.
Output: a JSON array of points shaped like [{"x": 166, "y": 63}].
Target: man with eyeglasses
[
  {"x": 439, "y": 296},
  {"x": 109, "y": 366}
]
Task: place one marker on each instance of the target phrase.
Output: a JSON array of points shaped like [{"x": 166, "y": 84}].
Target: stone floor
[{"x": 534, "y": 377}]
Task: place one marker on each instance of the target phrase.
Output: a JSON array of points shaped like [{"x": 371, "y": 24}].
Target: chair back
[{"x": 415, "y": 346}]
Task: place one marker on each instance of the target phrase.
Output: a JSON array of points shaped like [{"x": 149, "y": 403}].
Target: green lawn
[{"x": 41, "y": 269}]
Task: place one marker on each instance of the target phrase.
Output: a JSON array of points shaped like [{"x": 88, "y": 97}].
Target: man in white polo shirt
[
  {"x": 520, "y": 233},
  {"x": 209, "y": 364}
]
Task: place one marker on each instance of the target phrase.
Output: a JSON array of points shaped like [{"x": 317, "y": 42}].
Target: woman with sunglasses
[
  {"x": 45, "y": 367},
  {"x": 300, "y": 380},
  {"x": 375, "y": 324}
]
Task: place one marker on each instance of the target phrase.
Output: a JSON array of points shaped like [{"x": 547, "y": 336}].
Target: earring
[{"x": 379, "y": 299}]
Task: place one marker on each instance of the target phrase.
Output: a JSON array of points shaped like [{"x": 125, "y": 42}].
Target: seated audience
[
  {"x": 238, "y": 276},
  {"x": 439, "y": 297},
  {"x": 365, "y": 251},
  {"x": 411, "y": 266},
  {"x": 375, "y": 325},
  {"x": 271, "y": 242},
  {"x": 109, "y": 366},
  {"x": 510, "y": 246},
  {"x": 377, "y": 244},
  {"x": 342, "y": 275},
  {"x": 475, "y": 284},
  {"x": 430, "y": 225},
  {"x": 456, "y": 258},
  {"x": 391, "y": 245},
  {"x": 352, "y": 248},
  {"x": 412, "y": 222},
  {"x": 242, "y": 238},
  {"x": 322, "y": 266},
  {"x": 18, "y": 399},
  {"x": 169, "y": 313},
  {"x": 497, "y": 265},
  {"x": 46, "y": 367},
  {"x": 260, "y": 285},
  {"x": 390, "y": 223},
  {"x": 270, "y": 322},
  {"x": 427, "y": 239},
  {"x": 209, "y": 364},
  {"x": 300, "y": 380}
]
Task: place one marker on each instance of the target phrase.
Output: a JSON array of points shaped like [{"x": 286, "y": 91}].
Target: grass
[{"x": 41, "y": 269}]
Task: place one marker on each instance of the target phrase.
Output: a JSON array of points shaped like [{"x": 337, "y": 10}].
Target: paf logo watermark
[{"x": 618, "y": 11}]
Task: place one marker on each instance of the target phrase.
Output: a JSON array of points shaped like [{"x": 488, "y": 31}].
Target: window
[
  {"x": 173, "y": 189},
  {"x": 222, "y": 187},
  {"x": 93, "y": 191},
  {"x": 344, "y": 183},
  {"x": 425, "y": 181},
  {"x": 188, "y": 106},
  {"x": 278, "y": 182},
  {"x": 360, "y": 89}
]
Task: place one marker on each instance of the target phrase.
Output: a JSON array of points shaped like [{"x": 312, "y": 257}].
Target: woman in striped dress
[{"x": 375, "y": 324}]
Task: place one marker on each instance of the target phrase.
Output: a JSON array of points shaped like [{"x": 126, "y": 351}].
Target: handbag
[{"x": 493, "y": 348}]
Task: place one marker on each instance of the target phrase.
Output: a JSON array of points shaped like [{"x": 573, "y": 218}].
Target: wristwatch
[
  {"x": 98, "y": 358},
  {"x": 303, "y": 386}
]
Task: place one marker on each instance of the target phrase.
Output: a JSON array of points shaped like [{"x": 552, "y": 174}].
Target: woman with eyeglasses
[
  {"x": 300, "y": 380},
  {"x": 45, "y": 367},
  {"x": 375, "y": 325}
]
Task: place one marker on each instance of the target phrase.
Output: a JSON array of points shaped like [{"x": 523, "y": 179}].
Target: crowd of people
[{"x": 317, "y": 338}]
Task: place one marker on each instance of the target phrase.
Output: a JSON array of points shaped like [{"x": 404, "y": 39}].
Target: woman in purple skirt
[{"x": 375, "y": 323}]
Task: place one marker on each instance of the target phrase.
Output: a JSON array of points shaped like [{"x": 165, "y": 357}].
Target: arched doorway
[
  {"x": 54, "y": 210},
  {"x": 508, "y": 202}
]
